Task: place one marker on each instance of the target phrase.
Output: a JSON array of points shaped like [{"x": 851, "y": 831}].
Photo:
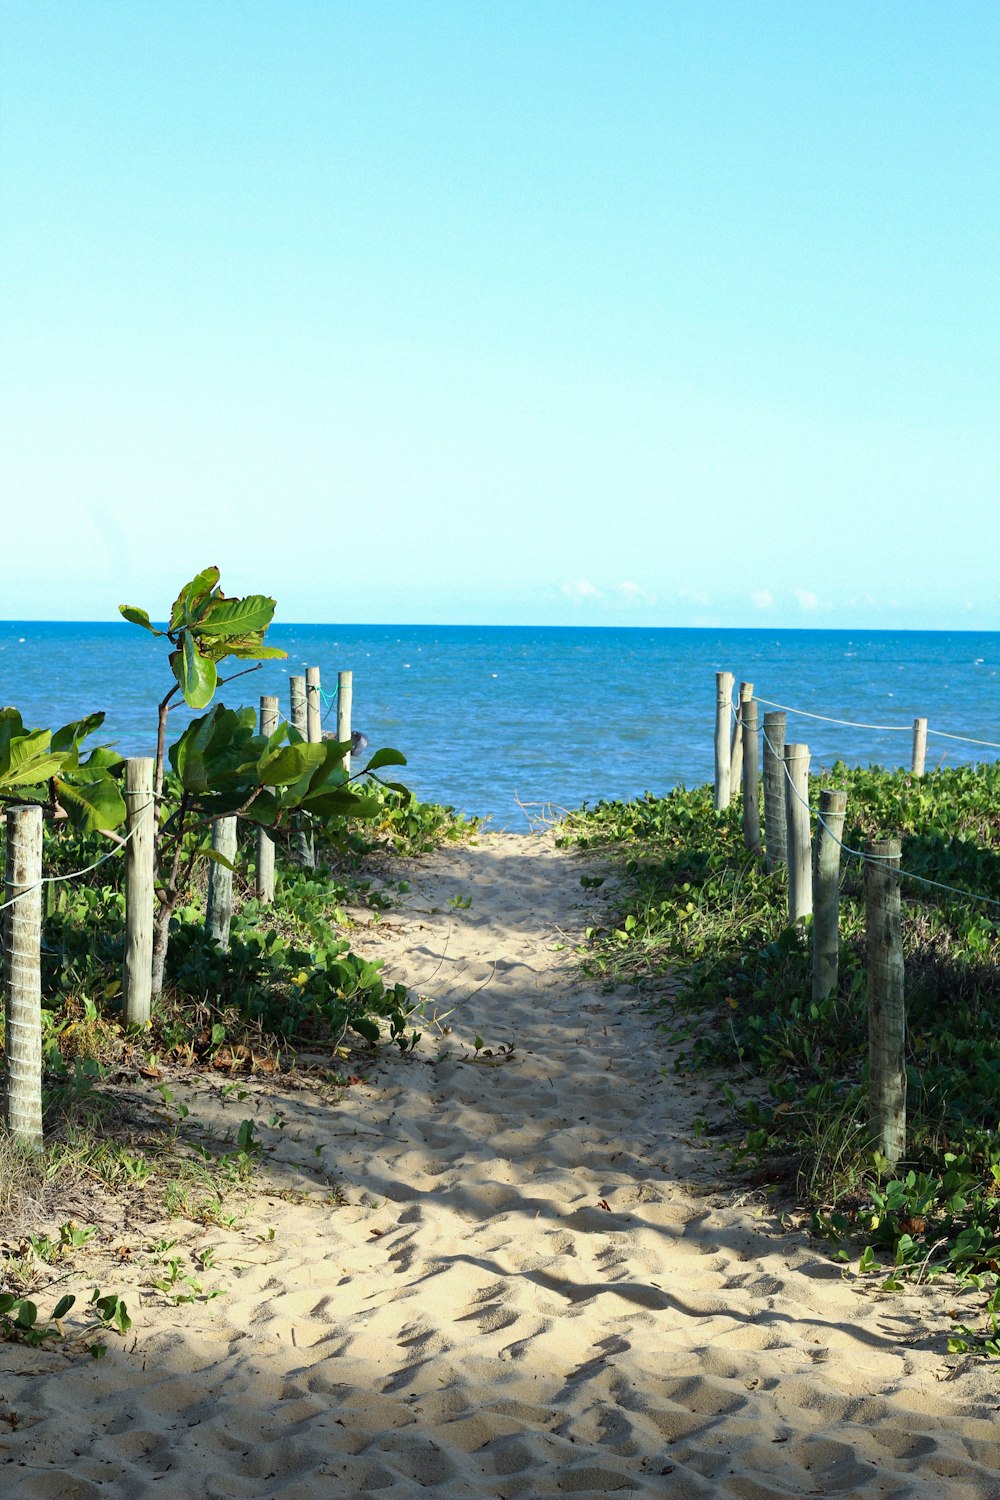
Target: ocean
[{"x": 495, "y": 717}]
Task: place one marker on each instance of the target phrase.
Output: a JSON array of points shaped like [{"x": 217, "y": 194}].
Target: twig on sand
[{"x": 551, "y": 814}]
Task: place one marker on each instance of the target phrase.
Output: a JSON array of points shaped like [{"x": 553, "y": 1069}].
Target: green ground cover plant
[{"x": 703, "y": 911}]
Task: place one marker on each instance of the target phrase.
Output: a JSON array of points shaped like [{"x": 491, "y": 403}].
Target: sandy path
[{"x": 538, "y": 1285}]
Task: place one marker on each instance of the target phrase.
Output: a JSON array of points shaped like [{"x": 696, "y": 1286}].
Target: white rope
[
  {"x": 873, "y": 859},
  {"x": 943, "y": 734},
  {"x": 75, "y": 874},
  {"x": 845, "y": 723}
]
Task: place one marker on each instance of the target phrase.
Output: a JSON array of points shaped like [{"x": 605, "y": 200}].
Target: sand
[{"x": 541, "y": 1281}]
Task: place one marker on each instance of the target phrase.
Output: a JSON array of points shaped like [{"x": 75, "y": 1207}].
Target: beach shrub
[{"x": 704, "y": 912}]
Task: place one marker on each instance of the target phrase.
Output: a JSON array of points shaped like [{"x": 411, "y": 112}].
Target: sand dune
[{"x": 539, "y": 1283}]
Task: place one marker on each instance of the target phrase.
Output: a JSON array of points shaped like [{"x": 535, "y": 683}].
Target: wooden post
[
  {"x": 775, "y": 842},
  {"x": 23, "y": 974},
  {"x": 886, "y": 1007},
  {"x": 797, "y": 828},
  {"x": 314, "y": 707},
  {"x": 345, "y": 688},
  {"x": 299, "y": 718},
  {"x": 736, "y": 749},
  {"x": 219, "y": 909},
  {"x": 265, "y": 843},
  {"x": 826, "y": 893},
  {"x": 919, "y": 746},
  {"x": 140, "y": 830},
  {"x": 751, "y": 783},
  {"x": 723, "y": 711}
]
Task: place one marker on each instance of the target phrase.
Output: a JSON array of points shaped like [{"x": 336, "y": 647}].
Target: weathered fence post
[
  {"x": 345, "y": 690},
  {"x": 826, "y": 893},
  {"x": 264, "y": 879},
  {"x": 736, "y": 748},
  {"x": 723, "y": 711},
  {"x": 886, "y": 1006},
  {"x": 140, "y": 830},
  {"x": 751, "y": 781},
  {"x": 219, "y": 908},
  {"x": 22, "y": 931},
  {"x": 314, "y": 707},
  {"x": 299, "y": 718},
  {"x": 797, "y": 828},
  {"x": 919, "y": 746},
  {"x": 775, "y": 843}
]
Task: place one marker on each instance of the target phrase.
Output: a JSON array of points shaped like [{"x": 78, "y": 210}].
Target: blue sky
[{"x": 596, "y": 312}]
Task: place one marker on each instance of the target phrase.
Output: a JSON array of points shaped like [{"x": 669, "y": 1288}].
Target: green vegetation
[
  {"x": 288, "y": 979},
  {"x": 701, "y": 909}
]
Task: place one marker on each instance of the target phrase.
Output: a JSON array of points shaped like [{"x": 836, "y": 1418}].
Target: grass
[{"x": 703, "y": 932}]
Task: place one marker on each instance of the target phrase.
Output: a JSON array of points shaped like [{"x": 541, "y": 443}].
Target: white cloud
[
  {"x": 582, "y": 588},
  {"x": 807, "y": 599},
  {"x": 762, "y": 598},
  {"x": 694, "y": 596},
  {"x": 634, "y": 593}
]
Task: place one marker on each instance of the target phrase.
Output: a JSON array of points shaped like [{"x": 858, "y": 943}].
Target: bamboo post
[
  {"x": 826, "y": 893},
  {"x": 797, "y": 828},
  {"x": 23, "y": 974},
  {"x": 345, "y": 689},
  {"x": 736, "y": 748},
  {"x": 886, "y": 1006},
  {"x": 919, "y": 746},
  {"x": 314, "y": 708},
  {"x": 723, "y": 710},
  {"x": 265, "y": 843},
  {"x": 140, "y": 830},
  {"x": 299, "y": 717},
  {"x": 219, "y": 909},
  {"x": 751, "y": 781},
  {"x": 775, "y": 841}
]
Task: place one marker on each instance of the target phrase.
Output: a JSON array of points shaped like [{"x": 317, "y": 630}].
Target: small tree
[
  {"x": 220, "y": 765},
  {"x": 205, "y": 628}
]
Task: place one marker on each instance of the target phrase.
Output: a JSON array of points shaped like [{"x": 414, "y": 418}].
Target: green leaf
[
  {"x": 343, "y": 804},
  {"x": 138, "y": 617},
  {"x": 385, "y": 758},
  {"x": 220, "y": 859},
  {"x": 71, "y": 734},
  {"x": 196, "y": 675},
  {"x": 237, "y": 617},
  {"x": 93, "y": 801},
  {"x": 249, "y": 651},
  {"x": 290, "y": 763},
  {"x": 192, "y": 599},
  {"x": 27, "y": 1313},
  {"x": 102, "y": 758},
  {"x": 63, "y": 1306},
  {"x": 27, "y": 759}
]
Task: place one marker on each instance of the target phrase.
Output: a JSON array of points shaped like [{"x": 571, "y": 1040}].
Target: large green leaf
[
  {"x": 27, "y": 759},
  {"x": 219, "y": 753},
  {"x": 290, "y": 763},
  {"x": 342, "y": 804},
  {"x": 196, "y": 674},
  {"x": 237, "y": 617},
  {"x": 193, "y": 599},
  {"x": 93, "y": 802},
  {"x": 72, "y": 734},
  {"x": 137, "y": 616},
  {"x": 385, "y": 758},
  {"x": 250, "y": 650},
  {"x": 102, "y": 758},
  {"x": 187, "y": 755}
]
